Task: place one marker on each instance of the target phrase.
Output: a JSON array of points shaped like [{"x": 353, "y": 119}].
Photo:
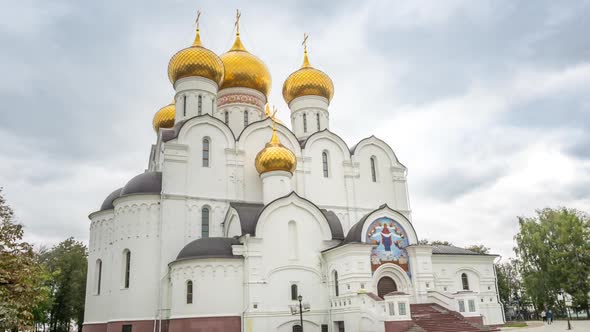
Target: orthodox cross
[
  {"x": 238, "y": 15},
  {"x": 273, "y": 118},
  {"x": 198, "y": 17},
  {"x": 305, "y": 36}
]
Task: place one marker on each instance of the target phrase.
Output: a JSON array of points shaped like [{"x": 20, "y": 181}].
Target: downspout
[
  {"x": 498, "y": 291},
  {"x": 245, "y": 276}
]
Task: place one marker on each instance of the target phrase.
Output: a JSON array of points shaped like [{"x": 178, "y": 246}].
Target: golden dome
[
  {"x": 307, "y": 81},
  {"x": 164, "y": 118},
  {"x": 275, "y": 157},
  {"x": 244, "y": 70},
  {"x": 196, "y": 61}
]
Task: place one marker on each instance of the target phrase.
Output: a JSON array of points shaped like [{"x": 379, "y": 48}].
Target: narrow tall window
[
  {"x": 391, "y": 308},
  {"x": 297, "y": 328},
  {"x": 373, "y": 170},
  {"x": 465, "y": 281},
  {"x": 317, "y": 118},
  {"x": 325, "y": 163},
  {"x": 402, "y": 308},
  {"x": 205, "y": 152},
  {"x": 336, "y": 290},
  {"x": 127, "y": 267},
  {"x": 184, "y": 105},
  {"x": 245, "y": 119},
  {"x": 189, "y": 292},
  {"x": 461, "y": 306},
  {"x": 304, "y": 123},
  {"x": 226, "y": 115},
  {"x": 471, "y": 304},
  {"x": 294, "y": 292},
  {"x": 98, "y": 275},
  {"x": 200, "y": 105},
  {"x": 205, "y": 222}
]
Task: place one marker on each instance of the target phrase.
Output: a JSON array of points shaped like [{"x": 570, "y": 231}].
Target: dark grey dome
[
  {"x": 211, "y": 247},
  {"x": 145, "y": 183},
  {"x": 108, "y": 202}
]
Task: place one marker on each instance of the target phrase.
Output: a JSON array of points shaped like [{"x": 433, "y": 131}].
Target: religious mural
[{"x": 390, "y": 241}]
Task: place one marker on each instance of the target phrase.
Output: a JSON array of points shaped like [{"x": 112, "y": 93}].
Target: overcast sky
[{"x": 486, "y": 102}]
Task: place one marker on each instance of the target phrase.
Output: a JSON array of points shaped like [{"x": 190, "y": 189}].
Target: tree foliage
[
  {"x": 479, "y": 248},
  {"x": 553, "y": 251},
  {"x": 434, "y": 242},
  {"x": 21, "y": 274},
  {"x": 67, "y": 264}
]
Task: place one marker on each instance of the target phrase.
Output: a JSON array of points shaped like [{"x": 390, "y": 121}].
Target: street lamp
[
  {"x": 300, "y": 298},
  {"x": 562, "y": 295}
]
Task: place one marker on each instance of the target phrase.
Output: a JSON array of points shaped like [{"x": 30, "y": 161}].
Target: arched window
[
  {"x": 292, "y": 234},
  {"x": 98, "y": 275},
  {"x": 297, "y": 328},
  {"x": 200, "y": 105},
  {"x": 325, "y": 163},
  {"x": 245, "y": 118},
  {"x": 465, "y": 281},
  {"x": 184, "y": 105},
  {"x": 189, "y": 292},
  {"x": 304, "y": 122},
  {"x": 205, "y": 222},
  {"x": 373, "y": 170},
  {"x": 127, "y": 268},
  {"x": 294, "y": 292},
  {"x": 336, "y": 289},
  {"x": 205, "y": 152},
  {"x": 317, "y": 118}
]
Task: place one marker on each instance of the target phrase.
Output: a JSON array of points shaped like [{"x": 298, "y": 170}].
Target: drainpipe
[
  {"x": 245, "y": 276},
  {"x": 498, "y": 291}
]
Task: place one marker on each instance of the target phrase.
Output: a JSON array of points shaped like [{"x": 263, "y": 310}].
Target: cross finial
[
  {"x": 304, "y": 43},
  {"x": 273, "y": 118},
  {"x": 198, "y": 17},
  {"x": 238, "y": 15}
]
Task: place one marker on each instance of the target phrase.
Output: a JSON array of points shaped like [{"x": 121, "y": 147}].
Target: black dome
[
  {"x": 211, "y": 247},
  {"x": 108, "y": 202},
  {"x": 145, "y": 183}
]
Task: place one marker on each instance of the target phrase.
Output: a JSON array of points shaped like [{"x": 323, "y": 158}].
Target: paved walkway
[{"x": 577, "y": 325}]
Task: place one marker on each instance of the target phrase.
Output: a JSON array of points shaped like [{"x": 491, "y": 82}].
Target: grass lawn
[{"x": 515, "y": 324}]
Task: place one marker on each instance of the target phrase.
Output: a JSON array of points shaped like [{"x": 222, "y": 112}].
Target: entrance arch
[{"x": 385, "y": 286}]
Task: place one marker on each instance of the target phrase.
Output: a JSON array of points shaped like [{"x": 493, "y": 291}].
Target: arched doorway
[{"x": 385, "y": 286}]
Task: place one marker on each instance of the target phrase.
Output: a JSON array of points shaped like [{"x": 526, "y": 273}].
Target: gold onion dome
[
  {"x": 196, "y": 61},
  {"x": 307, "y": 81},
  {"x": 275, "y": 157},
  {"x": 244, "y": 70},
  {"x": 164, "y": 118}
]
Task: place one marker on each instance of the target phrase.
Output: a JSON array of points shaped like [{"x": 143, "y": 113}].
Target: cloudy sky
[{"x": 486, "y": 102}]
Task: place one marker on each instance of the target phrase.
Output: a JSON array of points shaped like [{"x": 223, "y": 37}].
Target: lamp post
[
  {"x": 562, "y": 295},
  {"x": 300, "y": 298}
]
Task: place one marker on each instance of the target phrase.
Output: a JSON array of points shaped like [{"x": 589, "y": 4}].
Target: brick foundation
[
  {"x": 475, "y": 320},
  {"x": 225, "y": 324}
]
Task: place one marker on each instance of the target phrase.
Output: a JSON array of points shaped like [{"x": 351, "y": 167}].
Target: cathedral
[{"x": 243, "y": 223}]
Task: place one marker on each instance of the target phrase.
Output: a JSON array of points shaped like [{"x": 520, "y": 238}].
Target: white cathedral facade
[{"x": 237, "y": 217}]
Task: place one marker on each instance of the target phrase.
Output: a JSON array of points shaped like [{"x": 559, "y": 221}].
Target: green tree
[
  {"x": 67, "y": 263},
  {"x": 21, "y": 275},
  {"x": 435, "y": 242},
  {"x": 479, "y": 248},
  {"x": 553, "y": 250}
]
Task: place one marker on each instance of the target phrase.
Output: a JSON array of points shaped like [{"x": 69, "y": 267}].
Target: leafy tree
[
  {"x": 553, "y": 250},
  {"x": 21, "y": 275},
  {"x": 67, "y": 264},
  {"x": 435, "y": 242},
  {"x": 479, "y": 248}
]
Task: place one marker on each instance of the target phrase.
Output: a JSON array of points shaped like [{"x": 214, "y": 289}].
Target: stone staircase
[{"x": 430, "y": 317}]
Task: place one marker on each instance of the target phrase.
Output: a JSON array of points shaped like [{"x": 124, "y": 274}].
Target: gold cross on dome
[
  {"x": 198, "y": 18},
  {"x": 238, "y": 15},
  {"x": 305, "y": 36},
  {"x": 273, "y": 117}
]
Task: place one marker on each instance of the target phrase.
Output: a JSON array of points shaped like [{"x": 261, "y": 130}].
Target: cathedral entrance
[{"x": 385, "y": 286}]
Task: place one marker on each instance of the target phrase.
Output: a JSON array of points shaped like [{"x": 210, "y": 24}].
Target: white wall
[{"x": 217, "y": 287}]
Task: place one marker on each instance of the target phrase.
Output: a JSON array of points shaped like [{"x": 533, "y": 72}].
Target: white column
[{"x": 275, "y": 184}]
